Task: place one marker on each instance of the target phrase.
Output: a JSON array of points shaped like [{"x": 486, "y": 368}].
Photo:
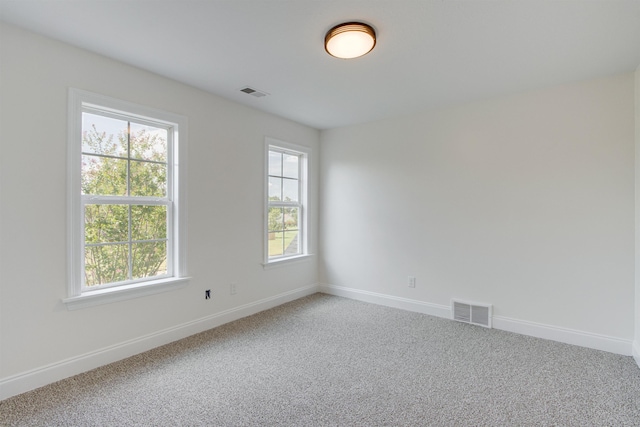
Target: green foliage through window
[{"x": 125, "y": 239}]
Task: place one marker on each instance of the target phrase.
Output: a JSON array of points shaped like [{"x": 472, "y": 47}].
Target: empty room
[{"x": 319, "y": 212}]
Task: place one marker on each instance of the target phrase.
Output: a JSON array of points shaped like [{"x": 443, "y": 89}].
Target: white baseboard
[
  {"x": 23, "y": 382},
  {"x": 388, "y": 300},
  {"x": 539, "y": 330},
  {"x": 564, "y": 335},
  {"x": 636, "y": 352}
]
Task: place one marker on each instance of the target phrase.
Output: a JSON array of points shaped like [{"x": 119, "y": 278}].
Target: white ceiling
[{"x": 430, "y": 53}]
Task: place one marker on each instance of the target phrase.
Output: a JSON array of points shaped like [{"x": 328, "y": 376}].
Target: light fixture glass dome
[{"x": 350, "y": 40}]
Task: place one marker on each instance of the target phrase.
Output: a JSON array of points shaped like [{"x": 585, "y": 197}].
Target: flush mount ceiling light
[{"x": 350, "y": 40}]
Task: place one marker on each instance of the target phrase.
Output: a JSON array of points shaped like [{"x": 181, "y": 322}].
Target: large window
[
  {"x": 125, "y": 196},
  {"x": 286, "y": 201}
]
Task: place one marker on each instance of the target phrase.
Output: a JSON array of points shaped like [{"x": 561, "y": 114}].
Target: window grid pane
[
  {"x": 106, "y": 223},
  {"x": 290, "y": 167},
  {"x": 148, "y": 222},
  {"x": 275, "y": 188},
  {"x": 291, "y": 243},
  {"x": 104, "y": 176},
  {"x": 106, "y": 264},
  {"x": 104, "y": 135},
  {"x": 147, "y": 179},
  {"x": 276, "y": 243},
  {"x": 148, "y": 143},
  {"x": 290, "y": 190},
  {"x": 275, "y": 163},
  {"x": 149, "y": 259}
]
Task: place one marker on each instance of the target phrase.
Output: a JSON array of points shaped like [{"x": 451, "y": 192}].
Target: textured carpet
[{"x": 324, "y": 360}]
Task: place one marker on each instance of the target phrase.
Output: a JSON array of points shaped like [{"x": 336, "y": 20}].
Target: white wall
[
  {"x": 525, "y": 202},
  {"x": 225, "y": 213}
]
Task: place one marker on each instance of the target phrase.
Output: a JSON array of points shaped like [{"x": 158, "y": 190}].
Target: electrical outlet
[
  {"x": 233, "y": 289},
  {"x": 207, "y": 294},
  {"x": 411, "y": 282}
]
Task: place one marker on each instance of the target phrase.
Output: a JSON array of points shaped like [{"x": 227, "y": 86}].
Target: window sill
[
  {"x": 121, "y": 293},
  {"x": 286, "y": 261}
]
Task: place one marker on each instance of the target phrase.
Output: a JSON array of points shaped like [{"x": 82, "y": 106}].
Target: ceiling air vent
[
  {"x": 471, "y": 312},
  {"x": 253, "y": 92}
]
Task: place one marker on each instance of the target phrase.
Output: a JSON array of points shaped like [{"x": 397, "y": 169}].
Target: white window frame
[
  {"x": 303, "y": 218},
  {"x": 80, "y": 296}
]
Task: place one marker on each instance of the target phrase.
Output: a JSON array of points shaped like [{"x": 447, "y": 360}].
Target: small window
[
  {"x": 286, "y": 224},
  {"x": 125, "y": 215}
]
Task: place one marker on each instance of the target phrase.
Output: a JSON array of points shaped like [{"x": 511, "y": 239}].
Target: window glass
[
  {"x": 106, "y": 264},
  {"x": 148, "y": 222},
  {"x": 285, "y": 229},
  {"x": 147, "y": 179},
  {"x": 275, "y": 188},
  {"x": 275, "y": 163},
  {"x": 290, "y": 190},
  {"x": 105, "y": 176},
  {"x": 127, "y": 240},
  {"x": 104, "y": 135},
  {"x": 148, "y": 143},
  {"x": 106, "y": 223},
  {"x": 149, "y": 259},
  {"x": 290, "y": 166}
]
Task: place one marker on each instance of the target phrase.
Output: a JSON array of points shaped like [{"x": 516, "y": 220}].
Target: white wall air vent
[
  {"x": 253, "y": 92},
  {"x": 471, "y": 312}
]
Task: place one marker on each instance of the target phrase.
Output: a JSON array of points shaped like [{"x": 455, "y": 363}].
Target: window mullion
[
  {"x": 281, "y": 203},
  {"x": 129, "y": 246},
  {"x": 128, "y": 158},
  {"x": 124, "y": 200}
]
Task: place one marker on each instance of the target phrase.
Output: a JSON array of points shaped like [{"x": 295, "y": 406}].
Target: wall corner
[{"x": 636, "y": 342}]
